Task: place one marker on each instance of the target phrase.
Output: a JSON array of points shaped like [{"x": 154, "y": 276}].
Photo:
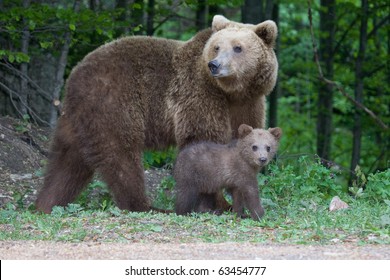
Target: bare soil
[
  {"x": 23, "y": 152},
  {"x": 181, "y": 251}
]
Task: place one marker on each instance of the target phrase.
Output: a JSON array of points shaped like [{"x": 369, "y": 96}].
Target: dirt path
[{"x": 157, "y": 251}]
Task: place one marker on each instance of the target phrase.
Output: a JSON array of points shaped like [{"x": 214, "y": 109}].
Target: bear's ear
[
  {"x": 267, "y": 31},
  {"x": 244, "y": 130},
  {"x": 276, "y": 132},
  {"x": 219, "y": 22}
]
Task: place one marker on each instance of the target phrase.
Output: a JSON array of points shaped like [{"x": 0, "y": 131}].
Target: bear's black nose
[
  {"x": 263, "y": 159},
  {"x": 213, "y": 65}
]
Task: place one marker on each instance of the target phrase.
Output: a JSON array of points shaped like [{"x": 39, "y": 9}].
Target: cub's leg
[
  {"x": 252, "y": 201},
  {"x": 238, "y": 203},
  {"x": 187, "y": 197}
]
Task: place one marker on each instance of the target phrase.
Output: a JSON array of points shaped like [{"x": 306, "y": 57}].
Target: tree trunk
[
  {"x": 201, "y": 15},
  {"x": 252, "y": 11},
  {"x": 94, "y": 5},
  {"x": 357, "y": 128},
  {"x": 273, "y": 98},
  {"x": 59, "y": 79},
  {"x": 325, "y": 96},
  {"x": 23, "y": 93},
  {"x": 150, "y": 19},
  {"x": 255, "y": 11}
]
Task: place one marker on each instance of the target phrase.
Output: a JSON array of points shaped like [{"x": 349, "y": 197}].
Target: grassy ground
[
  {"x": 298, "y": 223},
  {"x": 295, "y": 196}
]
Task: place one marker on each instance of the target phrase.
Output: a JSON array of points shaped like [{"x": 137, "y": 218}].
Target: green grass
[{"x": 364, "y": 222}]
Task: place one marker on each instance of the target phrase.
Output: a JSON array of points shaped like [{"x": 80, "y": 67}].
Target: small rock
[
  {"x": 17, "y": 177},
  {"x": 336, "y": 204}
]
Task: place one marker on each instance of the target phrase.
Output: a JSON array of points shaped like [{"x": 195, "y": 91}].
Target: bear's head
[
  {"x": 238, "y": 54},
  {"x": 258, "y": 146}
]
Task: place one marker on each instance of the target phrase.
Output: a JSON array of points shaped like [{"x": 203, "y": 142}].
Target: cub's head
[
  {"x": 258, "y": 146},
  {"x": 237, "y": 53}
]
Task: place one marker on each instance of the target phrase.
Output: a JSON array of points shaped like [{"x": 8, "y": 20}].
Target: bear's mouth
[{"x": 220, "y": 74}]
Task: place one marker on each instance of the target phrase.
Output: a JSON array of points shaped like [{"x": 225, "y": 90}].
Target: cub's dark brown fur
[
  {"x": 143, "y": 92},
  {"x": 204, "y": 169}
]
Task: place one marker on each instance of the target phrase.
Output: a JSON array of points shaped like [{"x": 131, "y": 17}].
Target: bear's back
[{"x": 206, "y": 160}]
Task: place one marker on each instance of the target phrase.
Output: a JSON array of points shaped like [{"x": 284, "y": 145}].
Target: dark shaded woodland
[{"x": 332, "y": 98}]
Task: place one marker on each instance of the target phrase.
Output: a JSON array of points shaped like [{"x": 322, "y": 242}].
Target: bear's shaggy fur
[
  {"x": 206, "y": 168},
  {"x": 139, "y": 93}
]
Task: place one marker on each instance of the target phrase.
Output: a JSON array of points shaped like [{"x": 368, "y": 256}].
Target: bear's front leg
[{"x": 252, "y": 201}]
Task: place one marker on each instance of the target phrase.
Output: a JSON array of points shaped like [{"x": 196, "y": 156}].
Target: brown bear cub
[{"x": 204, "y": 169}]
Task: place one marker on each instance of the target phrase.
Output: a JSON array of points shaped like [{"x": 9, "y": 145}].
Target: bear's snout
[
  {"x": 263, "y": 160},
  {"x": 213, "y": 66}
]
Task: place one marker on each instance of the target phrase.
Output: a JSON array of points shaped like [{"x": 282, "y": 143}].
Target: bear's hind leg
[
  {"x": 124, "y": 176},
  {"x": 187, "y": 197},
  {"x": 65, "y": 178}
]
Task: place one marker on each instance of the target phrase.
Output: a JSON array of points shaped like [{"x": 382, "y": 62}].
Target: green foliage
[
  {"x": 309, "y": 180},
  {"x": 13, "y": 56},
  {"x": 305, "y": 181},
  {"x": 358, "y": 183},
  {"x": 378, "y": 186},
  {"x": 165, "y": 198},
  {"x": 95, "y": 196},
  {"x": 299, "y": 83},
  {"x": 158, "y": 159},
  {"x": 375, "y": 187},
  {"x": 23, "y": 125}
]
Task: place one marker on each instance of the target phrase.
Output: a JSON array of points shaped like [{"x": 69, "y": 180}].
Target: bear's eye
[
  {"x": 216, "y": 48},
  {"x": 237, "y": 49},
  {"x": 268, "y": 149},
  {"x": 254, "y": 148}
]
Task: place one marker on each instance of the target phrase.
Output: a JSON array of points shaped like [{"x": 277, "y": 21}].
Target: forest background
[{"x": 332, "y": 98}]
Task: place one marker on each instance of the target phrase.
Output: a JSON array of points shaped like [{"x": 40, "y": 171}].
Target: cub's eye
[
  {"x": 237, "y": 49},
  {"x": 268, "y": 149},
  {"x": 254, "y": 148},
  {"x": 216, "y": 48}
]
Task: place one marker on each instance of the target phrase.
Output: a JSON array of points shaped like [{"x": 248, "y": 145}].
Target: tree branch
[
  {"x": 41, "y": 91},
  {"x": 377, "y": 26},
  {"x": 335, "y": 84},
  {"x": 31, "y": 111},
  {"x": 349, "y": 28}
]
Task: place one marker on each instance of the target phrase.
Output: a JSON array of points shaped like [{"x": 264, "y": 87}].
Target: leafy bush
[
  {"x": 378, "y": 186},
  {"x": 95, "y": 196},
  {"x": 159, "y": 158},
  {"x": 165, "y": 198},
  {"x": 311, "y": 181},
  {"x": 308, "y": 180}
]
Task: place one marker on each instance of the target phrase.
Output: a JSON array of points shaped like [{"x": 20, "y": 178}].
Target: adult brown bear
[{"x": 140, "y": 93}]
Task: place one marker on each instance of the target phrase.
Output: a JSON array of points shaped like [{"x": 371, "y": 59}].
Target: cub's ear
[
  {"x": 219, "y": 22},
  {"x": 267, "y": 31},
  {"x": 244, "y": 130},
  {"x": 276, "y": 132}
]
